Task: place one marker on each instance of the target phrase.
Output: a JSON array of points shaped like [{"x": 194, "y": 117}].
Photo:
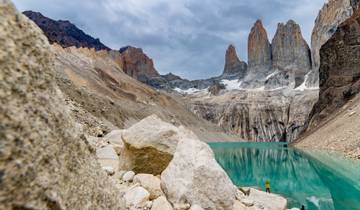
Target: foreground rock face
[
  {"x": 339, "y": 69},
  {"x": 233, "y": 65},
  {"x": 64, "y": 33},
  {"x": 194, "y": 177},
  {"x": 151, "y": 144},
  {"x": 44, "y": 161}
]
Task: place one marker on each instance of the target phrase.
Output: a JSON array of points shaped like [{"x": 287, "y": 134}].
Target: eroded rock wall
[{"x": 262, "y": 116}]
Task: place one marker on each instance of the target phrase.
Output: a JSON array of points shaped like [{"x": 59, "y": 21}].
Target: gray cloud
[{"x": 186, "y": 37}]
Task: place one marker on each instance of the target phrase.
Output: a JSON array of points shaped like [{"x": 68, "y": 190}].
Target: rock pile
[{"x": 192, "y": 179}]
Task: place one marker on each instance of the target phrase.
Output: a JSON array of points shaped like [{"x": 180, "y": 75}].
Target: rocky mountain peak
[
  {"x": 137, "y": 64},
  {"x": 64, "y": 33},
  {"x": 259, "y": 48},
  {"x": 233, "y": 65},
  {"x": 290, "y": 52}
]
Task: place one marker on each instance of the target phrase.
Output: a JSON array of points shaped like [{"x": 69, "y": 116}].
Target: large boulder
[
  {"x": 45, "y": 162},
  {"x": 194, "y": 176},
  {"x": 151, "y": 143}
]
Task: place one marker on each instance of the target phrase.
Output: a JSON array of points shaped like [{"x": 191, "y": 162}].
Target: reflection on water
[{"x": 317, "y": 180}]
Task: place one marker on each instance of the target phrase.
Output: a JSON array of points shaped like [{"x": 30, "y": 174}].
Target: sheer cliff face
[
  {"x": 339, "y": 70},
  {"x": 233, "y": 65},
  {"x": 259, "y": 49},
  {"x": 290, "y": 52},
  {"x": 137, "y": 64},
  {"x": 283, "y": 63},
  {"x": 44, "y": 160},
  {"x": 330, "y": 16},
  {"x": 262, "y": 116}
]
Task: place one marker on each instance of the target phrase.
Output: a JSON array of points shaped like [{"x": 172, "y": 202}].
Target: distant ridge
[{"x": 64, "y": 33}]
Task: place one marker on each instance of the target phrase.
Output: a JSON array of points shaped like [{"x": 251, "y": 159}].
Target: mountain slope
[{"x": 104, "y": 98}]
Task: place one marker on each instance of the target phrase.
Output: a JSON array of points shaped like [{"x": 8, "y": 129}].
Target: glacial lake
[{"x": 318, "y": 180}]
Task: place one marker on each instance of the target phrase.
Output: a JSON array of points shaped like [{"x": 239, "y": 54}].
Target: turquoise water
[{"x": 317, "y": 180}]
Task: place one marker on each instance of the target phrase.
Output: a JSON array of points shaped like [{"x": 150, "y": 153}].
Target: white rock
[
  {"x": 151, "y": 183},
  {"x": 161, "y": 204},
  {"x": 294, "y": 209},
  {"x": 109, "y": 170},
  {"x": 107, "y": 157},
  {"x": 136, "y": 197},
  {"x": 128, "y": 176},
  {"x": 115, "y": 139},
  {"x": 151, "y": 144},
  {"x": 239, "y": 206},
  {"x": 267, "y": 200},
  {"x": 148, "y": 204},
  {"x": 194, "y": 176},
  {"x": 196, "y": 207},
  {"x": 247, "y": 202},
  {"x": 181, "y": 206}
]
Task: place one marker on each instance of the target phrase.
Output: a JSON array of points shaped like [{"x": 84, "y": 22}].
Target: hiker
[
  {"x": 267, "y": 186},
  {"x": 302, "y": 207}
]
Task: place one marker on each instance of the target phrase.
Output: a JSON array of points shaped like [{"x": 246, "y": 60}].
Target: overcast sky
[{"x": 186, "y": 37}]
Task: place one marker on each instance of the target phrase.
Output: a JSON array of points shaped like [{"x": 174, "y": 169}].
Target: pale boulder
[
  {"x": 196, "y": 207},
  {"x": 151, "y": 183},
  {"x": 107, "y": 157},
  {"x": 115, "y": 139},
  {"x": 161, "y": 204},
  {"x": 151, "y": 143},
  {"x": 194, "y": 176},
  {"x": 136, "y": 197},
  {"x": 128, "y": 176},
  {"x": 109, "y": 170},
  {"x": 239, "y": 206}
]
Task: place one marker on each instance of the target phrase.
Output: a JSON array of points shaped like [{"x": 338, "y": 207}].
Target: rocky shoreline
[{"x": 174, "y": 170}]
